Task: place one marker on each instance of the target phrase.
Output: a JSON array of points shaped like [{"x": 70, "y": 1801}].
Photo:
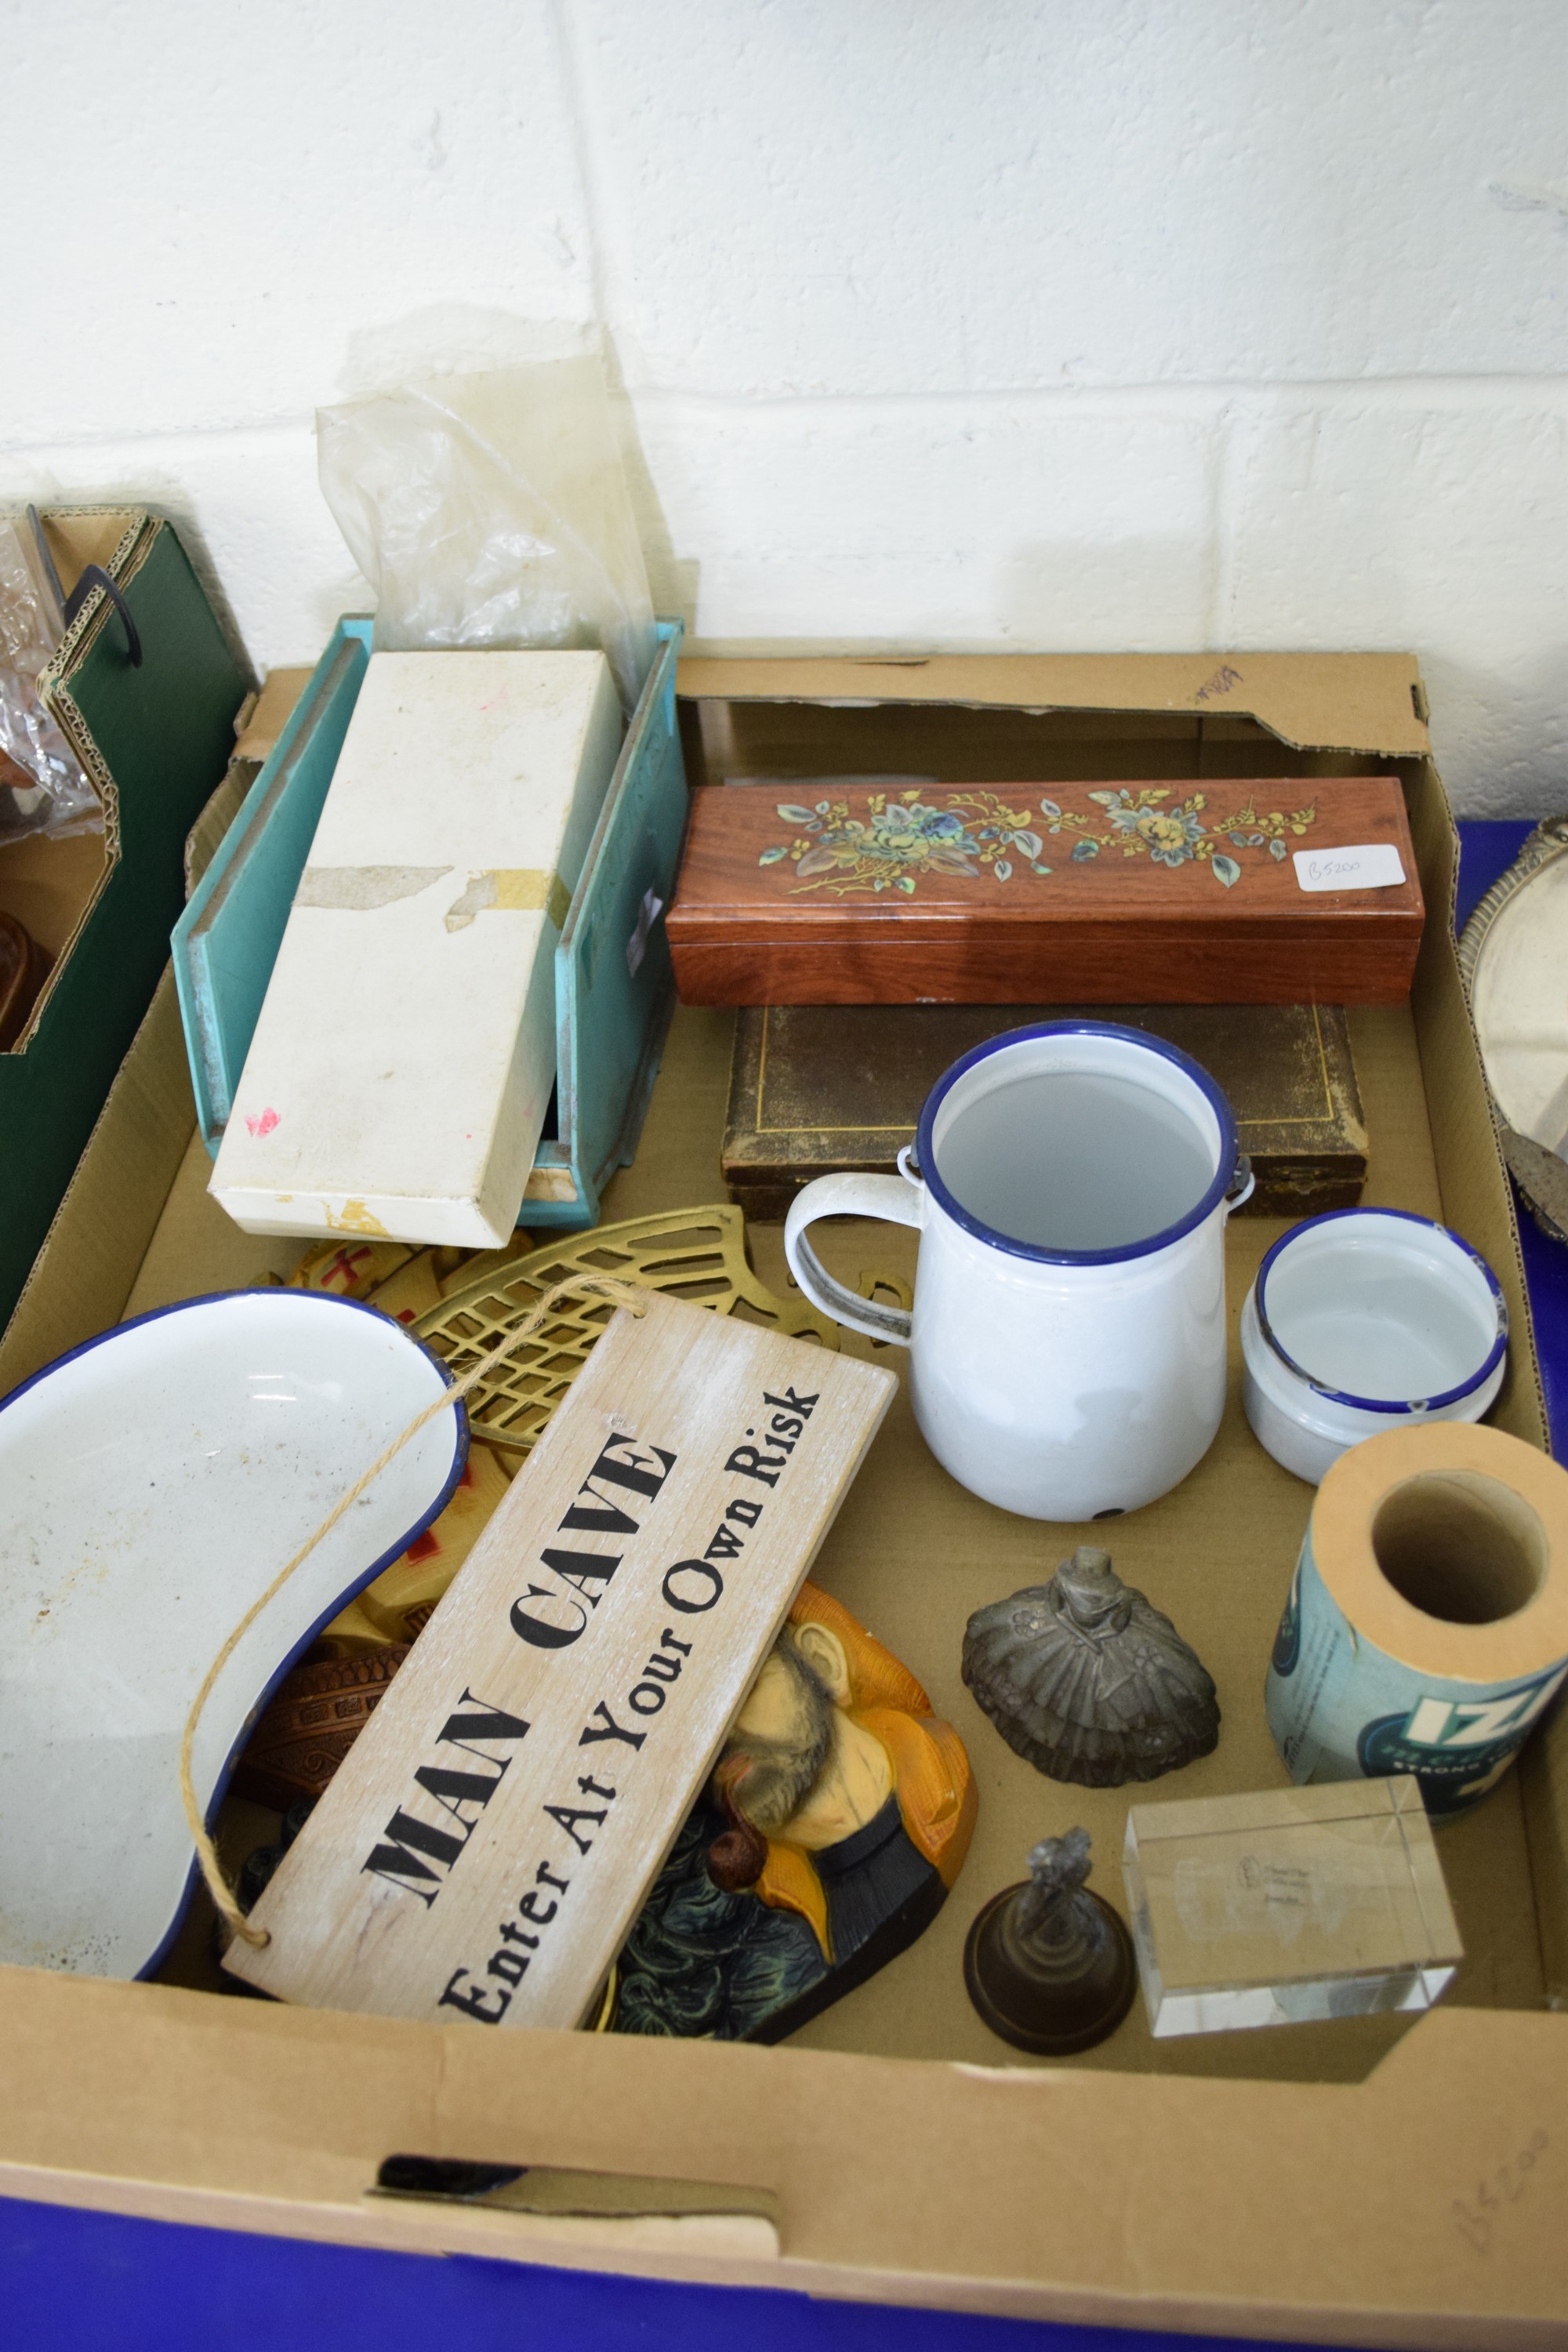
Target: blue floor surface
[{"x": 74, "y": 2282}]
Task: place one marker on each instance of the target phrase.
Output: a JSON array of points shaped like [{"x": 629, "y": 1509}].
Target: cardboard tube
[{"x": 1426, "y": 1626}]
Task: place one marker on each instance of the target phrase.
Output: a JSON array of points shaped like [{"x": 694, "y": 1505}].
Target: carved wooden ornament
[{"x": 310, "y": 1724}]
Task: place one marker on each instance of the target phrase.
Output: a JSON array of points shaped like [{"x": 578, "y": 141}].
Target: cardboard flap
[
  {"x": 78, "y": 536},
  {"x": 1351, "y": 702},
  {"x": 102, "y": 1227},
  {"x": 269, "y": 713},
  {"x": 1063, "y": 2194}
]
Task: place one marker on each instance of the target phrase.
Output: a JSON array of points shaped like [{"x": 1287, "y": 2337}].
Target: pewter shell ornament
[{"x": 1087, "y": 1681}]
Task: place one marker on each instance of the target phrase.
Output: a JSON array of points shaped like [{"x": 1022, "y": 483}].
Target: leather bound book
[
  {"x": 815, "y": 1088},
  {"x": 1276, "y": 891}
]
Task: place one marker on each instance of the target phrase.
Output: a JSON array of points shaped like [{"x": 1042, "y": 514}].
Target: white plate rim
[{"x": 1536, "y": 1171}]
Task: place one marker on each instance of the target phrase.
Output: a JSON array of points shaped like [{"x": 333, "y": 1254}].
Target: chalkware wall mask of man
[{"x": 834, "y": 1826}]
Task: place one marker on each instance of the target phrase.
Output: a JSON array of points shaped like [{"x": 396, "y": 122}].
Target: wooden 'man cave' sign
[{"x": 484, "y": 1847}]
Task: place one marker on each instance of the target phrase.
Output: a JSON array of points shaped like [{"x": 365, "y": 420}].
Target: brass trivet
[{"x": 698, "y": 1255}]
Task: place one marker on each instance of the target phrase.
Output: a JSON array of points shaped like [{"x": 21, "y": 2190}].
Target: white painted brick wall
[{"x": 1076, "y": 323}]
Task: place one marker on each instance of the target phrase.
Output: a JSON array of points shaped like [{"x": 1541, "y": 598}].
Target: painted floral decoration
[
  {"x": 898, "y": 840},
  {"x": 976, "y": 833}
]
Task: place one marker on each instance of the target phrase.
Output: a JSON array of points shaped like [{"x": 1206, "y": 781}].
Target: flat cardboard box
[
  {"x": 1378, "y": 2180},
  {"x": 404, "y": 1060}
]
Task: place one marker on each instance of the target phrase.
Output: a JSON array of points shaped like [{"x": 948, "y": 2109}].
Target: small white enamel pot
[
  {"x": 1068, "y": 1356},
  {"x": 1363, "y": 1320}
]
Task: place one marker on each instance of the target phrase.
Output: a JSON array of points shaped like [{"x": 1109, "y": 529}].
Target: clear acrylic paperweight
[{"x": 1291, "y": 1905}]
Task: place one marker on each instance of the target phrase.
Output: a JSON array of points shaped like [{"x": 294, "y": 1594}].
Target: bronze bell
[{"x": 1049, "y": 1964}]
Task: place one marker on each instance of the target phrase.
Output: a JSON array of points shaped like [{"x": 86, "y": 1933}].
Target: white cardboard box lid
[{"x": 401, "y": 1069}]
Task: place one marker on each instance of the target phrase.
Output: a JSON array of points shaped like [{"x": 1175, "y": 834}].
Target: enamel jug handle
[
  {"x": 1242, "y": 1185},
  {"x": 897, "y": 1200}
]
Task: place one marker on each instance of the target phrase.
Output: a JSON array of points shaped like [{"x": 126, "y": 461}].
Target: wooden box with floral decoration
[{"x": 1221, "y": 892}]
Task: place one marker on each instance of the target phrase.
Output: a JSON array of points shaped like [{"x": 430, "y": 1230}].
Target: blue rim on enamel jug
[
  {"x": 1067, "y": 1339},
  {"x": 1426, "y": 1626}
]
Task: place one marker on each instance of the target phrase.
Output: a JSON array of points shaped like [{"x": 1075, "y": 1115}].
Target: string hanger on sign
[{"x": 633, "y": 1297}]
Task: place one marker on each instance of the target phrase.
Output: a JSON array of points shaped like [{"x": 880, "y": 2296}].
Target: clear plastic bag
[
  {"x": 491, "y": 510},
  {"x": 42, "y": 786}
]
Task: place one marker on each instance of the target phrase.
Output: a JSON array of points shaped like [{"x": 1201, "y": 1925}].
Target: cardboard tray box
[{"x": 1378, "y": 2180}]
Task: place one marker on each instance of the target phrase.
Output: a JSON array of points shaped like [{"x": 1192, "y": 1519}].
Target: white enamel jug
[{"x": 1067, "y": 1343}]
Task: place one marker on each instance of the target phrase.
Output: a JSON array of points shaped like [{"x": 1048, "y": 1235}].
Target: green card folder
[{"x": 155, "y": 738}]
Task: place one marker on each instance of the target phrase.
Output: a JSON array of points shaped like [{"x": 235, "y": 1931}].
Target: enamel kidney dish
[{"x": 151, "y": 1485}]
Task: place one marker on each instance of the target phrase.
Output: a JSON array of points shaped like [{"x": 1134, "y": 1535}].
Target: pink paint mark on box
[{"x": 265, "y": 1123}]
